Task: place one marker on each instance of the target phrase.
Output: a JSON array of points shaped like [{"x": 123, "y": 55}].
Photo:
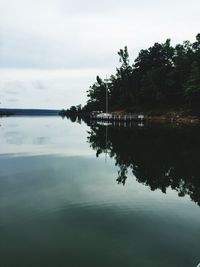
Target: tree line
[{"x": 162, "y": 76}]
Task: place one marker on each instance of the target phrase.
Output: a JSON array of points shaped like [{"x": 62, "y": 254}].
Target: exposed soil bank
[{"x": 180, "y": 116}]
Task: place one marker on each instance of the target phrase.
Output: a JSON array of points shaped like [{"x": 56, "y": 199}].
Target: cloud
[
  {"x": 10, "y": 92},
  {"x": 87, "y": 34},
  {"x": 11, "y": 100},
  {"x": 51, "y": 50},
  {"x": 45, "y": 88},
  {"x": 39, "y": 85}
]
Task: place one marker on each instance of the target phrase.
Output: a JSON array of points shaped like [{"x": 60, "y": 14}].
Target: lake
[{"x": 81, "y": 194}]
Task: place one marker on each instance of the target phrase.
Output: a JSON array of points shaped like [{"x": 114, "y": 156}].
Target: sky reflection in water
[{"x": 62, "y": 206}]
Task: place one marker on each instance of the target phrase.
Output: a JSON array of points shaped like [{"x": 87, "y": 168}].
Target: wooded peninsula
[{"x": 163, "y": 79}]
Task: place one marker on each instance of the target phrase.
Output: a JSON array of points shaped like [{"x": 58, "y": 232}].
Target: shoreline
[
  {"x": 5, "y": 114},
  {"x": 162, "y": 117},
  {"x": 187, "y": 120}
]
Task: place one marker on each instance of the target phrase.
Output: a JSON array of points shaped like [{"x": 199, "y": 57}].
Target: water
[{"x": 136, "y": 204}]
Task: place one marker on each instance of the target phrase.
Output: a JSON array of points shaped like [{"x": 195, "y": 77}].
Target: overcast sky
[{"x": 51, "y": 50}]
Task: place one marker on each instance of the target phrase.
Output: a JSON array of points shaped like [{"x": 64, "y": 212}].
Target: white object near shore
[
  {"x": 141, "y": 117},
  {"x": 104, "y": 116}
]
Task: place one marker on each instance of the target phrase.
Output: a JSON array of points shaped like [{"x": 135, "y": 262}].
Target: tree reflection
[{"x": 159, "y": 157}]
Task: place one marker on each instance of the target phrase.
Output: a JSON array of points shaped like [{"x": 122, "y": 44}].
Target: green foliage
[
  {"x": 161, "y": 76},
  {"x": 120, "y": 84},
  {"x": 97, "y": 95},
  {"x": 73, "y": 112},
  {"x": 192, "y": 86}
]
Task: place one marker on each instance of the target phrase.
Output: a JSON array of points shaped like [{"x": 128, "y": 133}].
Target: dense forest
[{"x": 161, "y": 77}]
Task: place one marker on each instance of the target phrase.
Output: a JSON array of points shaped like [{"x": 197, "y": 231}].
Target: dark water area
[{"x": 77, "y": 194}]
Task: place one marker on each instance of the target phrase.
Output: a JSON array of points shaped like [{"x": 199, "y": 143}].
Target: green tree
[
  {"x": 192, "y": 86},
  {"x": 121, "y": 83},
  {"x": 153, "y": 70},
  {"x": 97, "y": 95},
  {"x": 161, "y": 76}
]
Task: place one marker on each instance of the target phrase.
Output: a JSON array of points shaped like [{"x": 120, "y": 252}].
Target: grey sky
[{"x": 79, "y": 37}]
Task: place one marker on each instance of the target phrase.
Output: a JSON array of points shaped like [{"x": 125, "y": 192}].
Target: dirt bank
[{"x": 180, "y": 116}]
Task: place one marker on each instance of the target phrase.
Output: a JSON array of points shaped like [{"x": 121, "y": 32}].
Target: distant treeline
[
  {"x": 162, "y": 76},
  {"x": 73, "y": 111},
  {"x": 28, "y": 112}
]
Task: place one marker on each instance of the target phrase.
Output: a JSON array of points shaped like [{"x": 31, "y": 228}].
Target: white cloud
[
  {"x": 70, "y": 34},
  {"x": 45, "y": 88},
  {"x": 63, "y": 34}
]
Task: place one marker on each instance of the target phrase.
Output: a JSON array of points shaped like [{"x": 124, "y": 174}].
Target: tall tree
[
  {"x": 192, "y": 86},
  {"x": 97, "y": 95},
  {"x": 121, "y": 82},
  {"x": 161, "y": 76}
]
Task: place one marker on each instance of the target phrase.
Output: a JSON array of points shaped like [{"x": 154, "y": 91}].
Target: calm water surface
[{"x": 78, "y": 195}]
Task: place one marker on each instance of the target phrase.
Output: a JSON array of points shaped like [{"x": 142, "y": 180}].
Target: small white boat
[{"x": 104, "y": 116}]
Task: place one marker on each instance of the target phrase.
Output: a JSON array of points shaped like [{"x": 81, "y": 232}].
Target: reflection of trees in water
[
  {"x": 72, "y": 117},
  {"x": 159, "y": 157}
]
